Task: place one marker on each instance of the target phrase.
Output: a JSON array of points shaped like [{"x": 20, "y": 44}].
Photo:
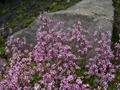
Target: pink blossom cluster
[
  {"x": 18, "y": 71},
  {"x": 51, "y": 65},
  {"x": 56, "y": 52},
  {"x": 117, "y": 62},
  {"x": 100, "y": 66},
  {"x": 54, "y": 62}
]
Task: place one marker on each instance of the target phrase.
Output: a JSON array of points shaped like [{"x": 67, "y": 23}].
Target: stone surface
[{"x": 92, "y": 13}]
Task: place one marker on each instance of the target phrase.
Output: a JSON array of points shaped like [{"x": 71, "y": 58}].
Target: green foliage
[
  {"x": 1, "y": 77},
  {"x": 36, "y": 78},
  {"x": 53, "y": 7},
  {"x": 116, "y": 25},
  {"x": 11, "y": 25},
  {"x": 59, "y": 5},
  {"x": 2, "y": 51},
  {"x": 2, "y": 46},
  {"x": 27, "y": 21},
  {"x": 115, "y": 34},
  {"x": 1, "y": 41},
  {"x": 113, "y": 84}
]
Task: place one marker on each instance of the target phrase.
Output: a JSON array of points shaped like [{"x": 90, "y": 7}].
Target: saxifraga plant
[{"x": 53, "y": 64}]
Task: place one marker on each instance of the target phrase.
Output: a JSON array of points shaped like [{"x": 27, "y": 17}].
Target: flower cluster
[
  {"x": 51, "y": 64},
  {"x": 100, "y": 66},
  {"x": 56, "y": 53},
  {"x": 18, "y": 70},
  {"x": 54, "y": 63}
]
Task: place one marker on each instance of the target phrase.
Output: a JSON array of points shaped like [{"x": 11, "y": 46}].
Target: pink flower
[
  {"x": 79, "y": 81},
  {"x": 70, "y": 78},
  {"x": 36, "y": 86}
]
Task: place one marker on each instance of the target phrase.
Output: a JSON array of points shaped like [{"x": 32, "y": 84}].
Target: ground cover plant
[{"x": 58, "y": 60}]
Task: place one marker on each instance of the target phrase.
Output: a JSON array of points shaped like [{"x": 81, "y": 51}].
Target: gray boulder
[{"x": 92, "y": 13}]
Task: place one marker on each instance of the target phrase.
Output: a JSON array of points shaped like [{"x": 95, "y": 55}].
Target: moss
[
  {"x": 11, "y": 25},
  {"x": 1, "y": 41},
  {"x": 19, "y": 11},
  {"x": 2, "y": 46},
  {"x": 59, "y": 5},
  {"x": 2, "y": 51},
  {"x": 53, "y": 8},
  {"x": 19, "y": 16},
  {"x": 3, "y": 11},
  {"x": 27, "y": 21},
  {"x": 115, "y": 36},
  {"x": 116, "y": 25},
  {"x": 115, "y": 33}
]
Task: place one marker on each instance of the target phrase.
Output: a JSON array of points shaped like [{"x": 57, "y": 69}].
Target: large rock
[{"x": 92, "y": 13}]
